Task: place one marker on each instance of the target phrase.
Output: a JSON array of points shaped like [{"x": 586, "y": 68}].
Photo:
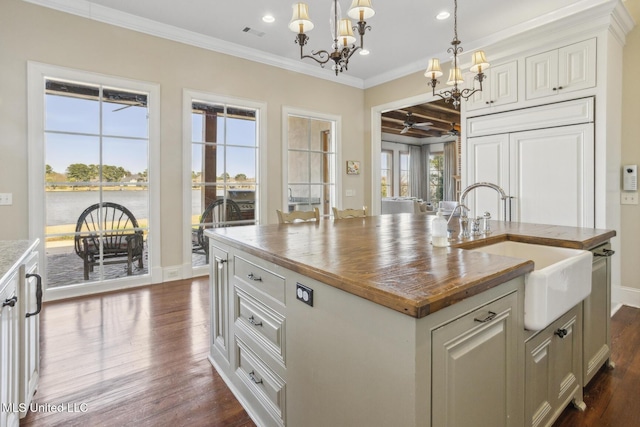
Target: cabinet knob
[
  {"x": 10, "y": 301},
  {"x": 252, "y": 320},
  {"x": 254, "y": 277},
  {"x": 252, "y": 375},
  {"x": 561, "y": 333}
]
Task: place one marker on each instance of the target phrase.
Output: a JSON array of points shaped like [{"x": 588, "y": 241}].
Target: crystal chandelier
[
  {"x": 343, "y": 46},
  {"x": 479, "y": 64}
]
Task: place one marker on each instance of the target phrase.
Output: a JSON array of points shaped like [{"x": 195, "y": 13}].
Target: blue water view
[{"x": 64, "y": 207}]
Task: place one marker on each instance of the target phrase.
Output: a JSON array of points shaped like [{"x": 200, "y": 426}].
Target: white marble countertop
[{"x": 12, "y": 253}]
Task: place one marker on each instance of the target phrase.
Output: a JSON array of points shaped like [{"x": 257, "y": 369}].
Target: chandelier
[
  {"x": 479, "y": 64},
  {"x": 343, "y": 46}
]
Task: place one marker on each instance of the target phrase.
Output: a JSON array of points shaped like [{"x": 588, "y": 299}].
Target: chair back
[
  {"x": 106, "y": 221},
  {"x": 219, "y": 213},
  {"x": 349, "y": 213},
  {"x": 298, "y": 216}
]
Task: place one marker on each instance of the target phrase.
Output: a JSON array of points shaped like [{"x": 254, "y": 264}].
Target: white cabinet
[
  {"x": 551, "y": 176},
  {"x": 567, "y": 69},
  {"x": 499, "y": 88},
  {"x": 30, "y": 292},
  {"x": 9, "y": 378},
  {"x": 548, "y": 171},
  {"x": 474, "y": 367},
  {"x": 553, "y": 364}
]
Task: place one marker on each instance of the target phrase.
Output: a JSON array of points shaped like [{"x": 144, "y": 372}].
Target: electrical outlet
[
  {"x": 304, "y": 294},
  {"x": 6, "y": 199},
  {"x": 350, "y": 193},
  {"x": 629, "y": 198}
]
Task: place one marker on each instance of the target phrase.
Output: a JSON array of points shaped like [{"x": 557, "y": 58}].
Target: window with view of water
[
  {"x": 311, "y": 164},
  {"x": 224, "y": 170},
  {"x": 96, "y": 145}
]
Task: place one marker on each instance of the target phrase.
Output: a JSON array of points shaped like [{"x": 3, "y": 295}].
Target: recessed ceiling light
[
  {"x": 364, "y": 52},
  {"x": 443, "y": 15},
  {"x": 268, "y": 18}
]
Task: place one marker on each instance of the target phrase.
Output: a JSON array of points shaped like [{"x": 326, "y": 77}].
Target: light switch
[
  {"x": 629, "y": 198},
  {"x": 350, "y": 193},
  {"x": 6, "y": 199}
]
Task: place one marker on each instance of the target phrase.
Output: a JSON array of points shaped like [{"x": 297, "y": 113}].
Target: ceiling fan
[
  {"x": 453, "y": 131},
  {"x": 410, "y": 124}
]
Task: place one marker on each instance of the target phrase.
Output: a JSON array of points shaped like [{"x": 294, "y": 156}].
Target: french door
[{"x": 91, "y": 172}]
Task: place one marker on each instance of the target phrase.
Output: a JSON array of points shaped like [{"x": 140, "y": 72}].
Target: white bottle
[{"x": 439, "y": 230}]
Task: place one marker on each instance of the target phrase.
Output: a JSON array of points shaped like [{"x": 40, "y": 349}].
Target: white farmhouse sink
[{"x": 560, "y": 280}]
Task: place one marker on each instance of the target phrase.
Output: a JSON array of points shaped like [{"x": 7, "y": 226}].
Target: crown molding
[
  {"x": 583, "y": 14},
  {"x": 86, "y": 9}
]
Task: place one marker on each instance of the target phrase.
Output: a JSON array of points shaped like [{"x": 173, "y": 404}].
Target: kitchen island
[{"x": 363, "y": 322}]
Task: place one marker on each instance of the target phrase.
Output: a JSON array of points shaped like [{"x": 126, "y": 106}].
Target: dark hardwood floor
[
  {"x": 139, "y": 357},
  {"x": 136, "y": 357}
]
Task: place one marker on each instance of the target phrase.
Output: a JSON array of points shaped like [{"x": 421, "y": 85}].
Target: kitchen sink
[{"x": 560, "y": 280}]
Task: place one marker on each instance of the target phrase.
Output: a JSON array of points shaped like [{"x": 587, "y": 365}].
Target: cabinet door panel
[
  {"x": 551, "y": 176},
  {"x": 219, "y": 300},
  {"x": 542, "y": 74},
  {"x": 577, "y": 66},
  {"x": 538, "y": 378},
  {"x": 596, "y": 319},
  {"x": 488, "y": 161},
  {"x": 504, "y": 84},
  {"x": 473, "y": 366}
]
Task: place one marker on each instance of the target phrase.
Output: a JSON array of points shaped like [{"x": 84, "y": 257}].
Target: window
[
  {"x": 386, "y": 173},
  {"x": 311, "y": 164},
  {"x": 405, "y": 182},
  {"x": 92, "y": 140},
  {"x": 436, "y": 167},
  {"x": 224, "y": 170}
]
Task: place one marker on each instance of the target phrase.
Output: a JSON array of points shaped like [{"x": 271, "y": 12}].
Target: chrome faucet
[
  {"x": 464, "y": 223},
  {"x": 464, "y": 219}
]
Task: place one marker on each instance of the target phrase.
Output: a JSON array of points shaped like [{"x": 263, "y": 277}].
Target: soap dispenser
[{"x": 439, "y": 230}]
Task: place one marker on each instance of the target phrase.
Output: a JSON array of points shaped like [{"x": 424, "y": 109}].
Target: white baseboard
[{"x": 626, "y": 296}]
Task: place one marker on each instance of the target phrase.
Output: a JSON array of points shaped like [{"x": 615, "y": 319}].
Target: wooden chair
[
  {"x": 349, "y": 213},
  {"x": 112, "y": 227},
  {"x": 298, "y": 216},
  {"x": 218, "y": 214}
]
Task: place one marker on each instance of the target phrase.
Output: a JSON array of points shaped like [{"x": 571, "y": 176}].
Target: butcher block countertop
[{"x": 389, "y": 260}]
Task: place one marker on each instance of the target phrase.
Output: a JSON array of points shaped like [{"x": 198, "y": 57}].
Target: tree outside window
[{"x": 436, "y": 167}]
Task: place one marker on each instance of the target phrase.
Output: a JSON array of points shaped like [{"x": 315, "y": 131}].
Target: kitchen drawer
[
  {"x": 259, "y": 278},
  {"x": 265, "y": 326},
  {"x": 267, "y": 387}
]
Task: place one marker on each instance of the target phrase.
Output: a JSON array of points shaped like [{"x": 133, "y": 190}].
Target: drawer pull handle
[
  {"x": 10, "y": 301},
  {"x": 252, "y": 320},
  {"x": 38, "y": 294},
  {"x": 561, "y": 333},
  {"x": 254, "y": 277},
  {"x": 221, "y": 263},
  {"x": 489, "y": 318},
  {"x": 252, "y": 375},
  {"x": 605, "y": 253}
]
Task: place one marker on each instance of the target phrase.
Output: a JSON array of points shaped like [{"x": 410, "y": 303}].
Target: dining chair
[
  {"x": 298, "y": 216},
  {"x": 349, "y": 213}
]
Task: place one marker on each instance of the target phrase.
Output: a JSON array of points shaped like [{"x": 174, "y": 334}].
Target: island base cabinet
[
  {"x": 29, "y": 332},
  {"x": 553, "y": 363},
  {"x": 474, "y": 365}
]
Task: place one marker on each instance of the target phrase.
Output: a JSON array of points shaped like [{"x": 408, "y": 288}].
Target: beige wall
[
  {"x": 32, "y": 33},
  {"x": 630, "y": 214}
]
